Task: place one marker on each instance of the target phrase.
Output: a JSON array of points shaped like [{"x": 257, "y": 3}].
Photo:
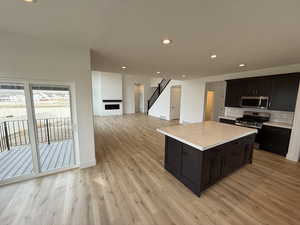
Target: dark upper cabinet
[
  {"x": 234, "y": 92},
  {"x": 284, "y": 93},
  {"x": 281, "y": 89},
  {"x": 260, "y": 86}
]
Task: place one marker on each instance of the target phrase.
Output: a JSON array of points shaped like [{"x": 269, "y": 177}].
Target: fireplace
[{"x": 111, "y": 106}]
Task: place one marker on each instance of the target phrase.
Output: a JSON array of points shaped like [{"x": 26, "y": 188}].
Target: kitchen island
[{"x": 200, "y": 154}]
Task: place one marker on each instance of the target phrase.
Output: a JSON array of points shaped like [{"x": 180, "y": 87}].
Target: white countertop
[
  {"x": 207, "y": 134},
  {"x": 279, "y": 124}
]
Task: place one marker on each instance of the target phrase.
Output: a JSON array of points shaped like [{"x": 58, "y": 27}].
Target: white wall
[
  {"x": 118, "y": 86},
  {"x": 97, "y": 95},
  {"x": 294, "y": 147},
  {"x": 106, "y": 86},
  {"x": 161, "y": 107},
  {"x": 154, "y": 81},
  {"x": 129, "y": 82},
  {"x": 192, "y": 101},
  {"x": 111, "y": 86},
  {"x": 254, "y": 73},
  {"x": 25, "y": 58}
]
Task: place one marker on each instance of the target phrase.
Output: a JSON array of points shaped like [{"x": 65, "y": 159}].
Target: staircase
[{"x": 157, "y": 92}]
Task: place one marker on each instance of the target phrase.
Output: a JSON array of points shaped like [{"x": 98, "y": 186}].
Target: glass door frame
[
  {"x": 37, "y": 152},
  {"x": 32, "y": 131}
]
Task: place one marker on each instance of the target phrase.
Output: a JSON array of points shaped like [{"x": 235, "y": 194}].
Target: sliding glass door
[
  {"x": 16, "y": 157},
  {"x": 36, "y": 130},
  {"x": 52, "y": 108}
]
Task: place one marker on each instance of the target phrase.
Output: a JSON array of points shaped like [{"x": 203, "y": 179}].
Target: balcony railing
[{"x": 15, "y": 132}]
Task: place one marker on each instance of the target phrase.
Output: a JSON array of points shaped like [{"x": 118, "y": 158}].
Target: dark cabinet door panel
[
  {"x": 275, "y": 139},
  {"x": 212, "y": 166},
  {"x": 234, "y": 90},
  {"x": 284, "y": 93},
  {"x": 258, "y": 86},
  {"x": 173, "y": 155},
  {"x": 237, "y": 154},
  {"x": 190, "y": 167}
]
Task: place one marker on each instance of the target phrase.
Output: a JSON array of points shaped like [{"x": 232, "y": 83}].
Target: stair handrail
[{"x": 160, "y": 88}]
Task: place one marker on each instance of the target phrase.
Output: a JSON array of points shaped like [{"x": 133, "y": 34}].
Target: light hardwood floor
[{"x": 130, "y": 186}]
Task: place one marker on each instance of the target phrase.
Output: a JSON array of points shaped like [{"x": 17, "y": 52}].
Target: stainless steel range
[{"x": 253, "y": 119}]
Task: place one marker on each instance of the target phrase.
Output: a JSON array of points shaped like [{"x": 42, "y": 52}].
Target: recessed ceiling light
[
  {"x": 124, "y": 67},
  {"x": 29, "y": 1},
  {"x": 213, "y": 56},
  {"x": 242, "y": 65},
  {"x": 166, "y": 41},
  {"x": 158, "y": 72},
  {"x": 184, "y": 76}
]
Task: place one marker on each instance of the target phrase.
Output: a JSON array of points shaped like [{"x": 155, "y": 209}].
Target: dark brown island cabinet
[{"x": 199, "y": 169}]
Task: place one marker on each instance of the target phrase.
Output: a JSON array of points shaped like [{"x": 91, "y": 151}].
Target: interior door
[
  {"x": 175, "y": 102},
  {"x": 53, "y": 126}
]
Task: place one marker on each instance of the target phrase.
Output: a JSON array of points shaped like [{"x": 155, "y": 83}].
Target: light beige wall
[
  {"x": 209, "y": 109},
  {"x": 25, "y": 58}
]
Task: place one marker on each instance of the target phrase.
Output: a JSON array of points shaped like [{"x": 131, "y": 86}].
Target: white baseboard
[
  {"x": 87, "y": 164},
  {"x": 292, "y": 157}
]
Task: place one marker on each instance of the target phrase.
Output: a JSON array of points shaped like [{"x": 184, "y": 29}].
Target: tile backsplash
[{"x": 276, "y": 116}]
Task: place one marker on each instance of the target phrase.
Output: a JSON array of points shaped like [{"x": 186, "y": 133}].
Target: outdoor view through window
[{"x": 53, "y": 132}]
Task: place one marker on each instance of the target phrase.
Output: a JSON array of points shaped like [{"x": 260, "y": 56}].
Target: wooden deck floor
[{"x": 18, "y": 161}]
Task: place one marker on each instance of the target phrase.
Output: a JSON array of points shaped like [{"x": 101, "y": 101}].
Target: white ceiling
[{"x": 259, "y": 33}]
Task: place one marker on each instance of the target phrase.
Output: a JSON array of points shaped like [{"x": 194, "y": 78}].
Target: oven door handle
[{"x": 250, "y": 126}]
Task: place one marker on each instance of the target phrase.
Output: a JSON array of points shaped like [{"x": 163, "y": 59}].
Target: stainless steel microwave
[{"x": 260, "y": 102}]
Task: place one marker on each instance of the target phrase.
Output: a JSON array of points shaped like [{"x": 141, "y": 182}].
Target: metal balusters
[
  {"x": 6, "y": 135},
  {"x": 48, "y": 134},
  {"x": 15, "y": 133},
  {"x": 157, "y": 92}
]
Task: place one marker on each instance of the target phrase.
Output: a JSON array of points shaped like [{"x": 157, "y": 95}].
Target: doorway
[
  {"x": 214, "y": 105},
  {"x": 209, "y": 107},
  {"x": 139, "y": 106},
  {"x": 175, "y": 102},
  {"x": 36, "y": 130}
]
